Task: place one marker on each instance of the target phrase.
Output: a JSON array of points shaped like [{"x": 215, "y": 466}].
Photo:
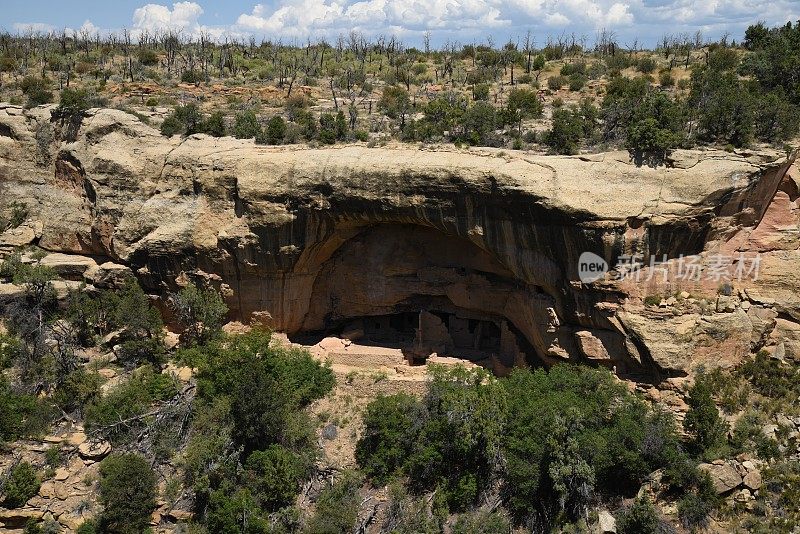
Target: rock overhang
[{"x": 263, "y": 222}]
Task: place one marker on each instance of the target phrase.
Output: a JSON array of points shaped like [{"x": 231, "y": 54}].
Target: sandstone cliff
[{"x": 308, "y": 239}]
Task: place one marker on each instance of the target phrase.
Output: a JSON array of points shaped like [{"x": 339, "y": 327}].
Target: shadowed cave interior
[{"x": 418, "y": 289}]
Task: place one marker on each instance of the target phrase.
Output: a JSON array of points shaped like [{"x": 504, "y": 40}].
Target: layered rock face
[{"x": 458, "y": 251}]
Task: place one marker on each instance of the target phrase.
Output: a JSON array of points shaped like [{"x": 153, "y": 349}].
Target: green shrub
[
  {"x": 22, "y": 484},
  {"x": 337, "y": 507},
  {"x": 566, "y": 131},
  {"x": 142, "y": 329},
  {"x": 730, "y": 390},
  {"x": 648, "y": 143},
  {"x": 695, "y": 507},
  {"x": 73, "y": 102},
  {"x": 577, "y": 431},
  {"x": 19, "y": 213},
  {"x": 307, "y": 123},
  {"x": 214, "y": 125},
  {"x": 776, "y": 119},
  {"x": 639, "y": 518},
  {"x": 771, "y": 377},
  {"x": 576, "y": 82},
  {"x": 618, "y": 62},
  {"x": 200, "y": 312},
  {"x": 779, "y": 499},
  {"x": 147, "y": 57},
  {"x": 722, "y": 59},
  {"x": 748, "y": 436},
  {"x": 451, "y": 438},
  {"x": 327, "y": 129},
  {"x": 646, "y": 65},
  {"x": 724, "y": 108},
  {"x": 556, "y": 82},
  {"x": 235, "y": 510},
  {"x": 78, "y": 390},
  {"x": 192, "y": 76},
  {"x": 53, "y": 457},
  {"x": 650, "y": 121},
  {"x": 395, "y": 103},
  {"x": 186, "y": 119},
  {"x": 274, "y": 475},
  {"x": 479, "y": 122},
  {"x": 480, "y": 91},
  {"x": 250, "y": 408},
  {"x": 89, "y": 526},
  {"x": 569, "y": 69},
  {"x": 384, "y": 446},
  {"x": 220, "y": 367},
  {"x": 10, "y": 350},
  {"x": 274, "y": 133},
  {"x": 127, "y": 492},
  {"x": 21, "y": 415},
  {"x": 294, "y": 104},
  {"x": 252, "y": 441},
  {"x": 665, "y": 79},
  {"x": 117, "y": 415},
  {"x": 91, "y": 315},
  {"x": 341, "y": 126},
  {"x": 171, "y": 126},
  {"x": 522, "y": 104},
  {"x": 482, "y": 523},
  {"x": 246, "y": 125},
  {"x": 37, "y": 90},
  {"x": 703, "y": 422}
]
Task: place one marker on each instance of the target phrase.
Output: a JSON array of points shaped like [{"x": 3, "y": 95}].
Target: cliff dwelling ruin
[{"x": 415, "y": 288}]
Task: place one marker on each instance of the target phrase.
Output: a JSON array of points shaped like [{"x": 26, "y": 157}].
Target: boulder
[
  {"x": 75, "y": 438},
  {"x": 21, "y": 236},
  {"x": 10, "y": 292},
  {"x": 606, "y": 524},
  {"x": 182, "y": 373},
  {"x": 171, "y": 340},
  {"x": 18, "y": 517},
  {"x": 753, "y": 479},
  {"x": 725, "y": 477},
  {"x": 592, "y": 347},
  {"x": 68, "y": 266},
  {"x": 108, "y": 275},
  {"x": 94, "y": 450},
  {"x": 179, "y": 515}
]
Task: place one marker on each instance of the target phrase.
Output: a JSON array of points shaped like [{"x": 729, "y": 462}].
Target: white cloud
[
  {"x": 556, "y": 19},
  {"x": 300, "y": 18},
  {"x": 618, "y": 15},
  {"x": 182, "y": 16},
  {"x": 310, "y": 17},
  {"x": 91, "y": 29},
  {"x": 463, "y": 20},
  {"x": 34, "y": 27}
]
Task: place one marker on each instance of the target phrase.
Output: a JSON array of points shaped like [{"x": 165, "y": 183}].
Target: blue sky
[{"x": 447, "y": 20}]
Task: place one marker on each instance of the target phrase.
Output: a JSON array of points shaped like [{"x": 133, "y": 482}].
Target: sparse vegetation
[{"x": 706, "y": 92}]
